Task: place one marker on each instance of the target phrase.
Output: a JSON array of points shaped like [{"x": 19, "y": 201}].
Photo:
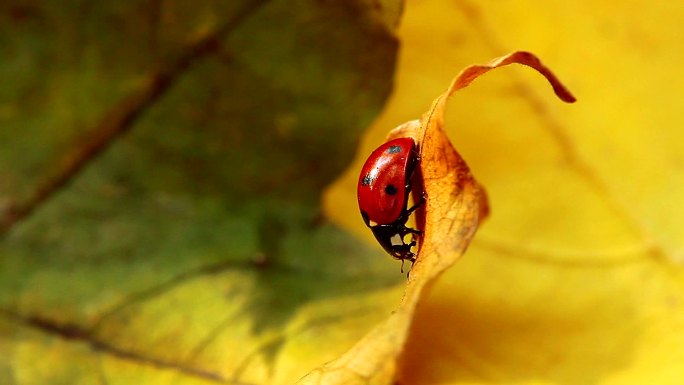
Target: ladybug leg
[
  {"x": 415, "y": 206},
  {"x": 412, "y": 259},
  {"x": 408, "y": 273},
  {"x": 405, "y": 215},
  {"x": 401, "y": 251},
  {"x": 403, "y": 231},
  {"x": 413, "y": 231}
]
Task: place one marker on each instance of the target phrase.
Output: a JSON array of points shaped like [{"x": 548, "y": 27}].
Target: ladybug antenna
[{"x": 402, "y": 266}]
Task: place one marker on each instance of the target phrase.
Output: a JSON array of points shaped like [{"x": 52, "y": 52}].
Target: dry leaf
[{"x": 454, "y": 207}]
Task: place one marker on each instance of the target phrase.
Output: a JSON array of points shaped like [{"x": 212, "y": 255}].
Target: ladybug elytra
[{"x": 383, "y": 193}]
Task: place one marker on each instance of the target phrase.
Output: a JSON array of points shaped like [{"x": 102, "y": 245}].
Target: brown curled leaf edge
[{"x": 455, "y": 205}]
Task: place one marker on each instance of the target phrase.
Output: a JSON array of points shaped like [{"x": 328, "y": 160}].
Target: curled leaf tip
[
  {"x": 531, "y": 60},
  {"x": 519, "y": 57}
]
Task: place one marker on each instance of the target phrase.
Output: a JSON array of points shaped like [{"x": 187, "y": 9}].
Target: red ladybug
[{"x": 383, "y": 193}]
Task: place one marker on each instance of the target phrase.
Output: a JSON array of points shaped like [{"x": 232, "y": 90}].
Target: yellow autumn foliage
[{"x": 575, "y": 278}]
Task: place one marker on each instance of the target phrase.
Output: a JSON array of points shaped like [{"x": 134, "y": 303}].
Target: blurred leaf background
[
  {"x": 193, "y": 249},
  {"x": 191, "y": 246}
]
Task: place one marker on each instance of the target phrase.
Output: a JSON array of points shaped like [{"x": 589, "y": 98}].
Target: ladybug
[{"x": 383, "y": 193}]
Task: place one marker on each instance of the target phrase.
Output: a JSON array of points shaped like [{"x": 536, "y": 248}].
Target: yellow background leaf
[{"x": 575, "y": 278}]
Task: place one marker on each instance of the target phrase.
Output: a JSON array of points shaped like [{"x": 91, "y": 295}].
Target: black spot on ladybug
[
  {"x": 367, "y": 180},
  {"x": 393, "y": 149},
  {"x": 390, "y": 189}
]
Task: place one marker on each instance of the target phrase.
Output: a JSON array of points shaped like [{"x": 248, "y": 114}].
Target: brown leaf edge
[{"x": 455, "y": 205}]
